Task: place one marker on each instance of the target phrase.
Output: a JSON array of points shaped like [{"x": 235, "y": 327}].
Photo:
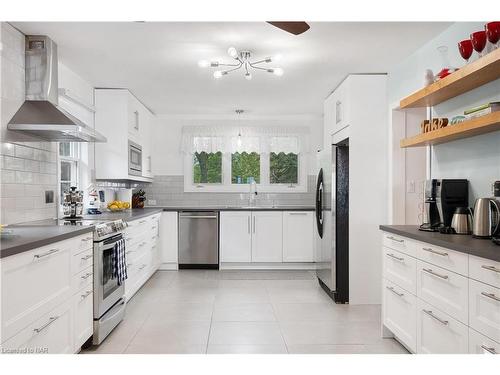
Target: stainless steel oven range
[{"x": 109, "y": 297}]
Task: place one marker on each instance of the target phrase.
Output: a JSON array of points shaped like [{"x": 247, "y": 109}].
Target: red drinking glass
[
  {"x": 478, "y": 41},
  {"x": 465, "y": 49},
  {"x": 492, "y": 30}
]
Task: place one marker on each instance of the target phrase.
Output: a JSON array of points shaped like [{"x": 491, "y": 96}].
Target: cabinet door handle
[
  {"x": 435, "y": 252},
  {"x": 395, "y": 257},
  {"x": 488, "y": 349},
  {"x": 248, "y": 224},
  {"x": 86, "y": 257},
  {"x": 431, "y": 314},
  {"x": 136, "y": 115},
  {"x": 395, "y": 239},
  {"x": 254, "y": 225},
  {"x": 38, "y": 256},
  {"x": 297, "y": 213},
  {"x": 396, "y": 293},
  {"x": 491, "y": 268},
  {"x": 86, "y": 276},
  {"x": 87, "y": 293},
  {"x": 428, "y": 270},
  {"x": 491, "y": 295},
  {"x": 52, "y": 319}
]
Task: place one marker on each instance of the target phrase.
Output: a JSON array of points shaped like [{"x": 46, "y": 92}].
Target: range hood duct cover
[{"x": 40, "y": 114}]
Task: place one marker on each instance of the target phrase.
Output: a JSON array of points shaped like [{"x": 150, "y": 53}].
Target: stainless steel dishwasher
[{"x": 199, "y": 239}]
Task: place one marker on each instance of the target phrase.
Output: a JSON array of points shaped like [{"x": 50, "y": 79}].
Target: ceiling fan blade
[{"x": 293, "y": 27}]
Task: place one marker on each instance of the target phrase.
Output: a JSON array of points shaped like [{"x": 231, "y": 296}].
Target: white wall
[
  {"x": 476, "y": 158},
  {"x": 168, "y": 131}
]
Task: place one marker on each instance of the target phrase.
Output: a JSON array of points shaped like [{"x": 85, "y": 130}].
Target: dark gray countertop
[
  {"x": 127, "y": 215},
  {"x": 483, "y": 248},
  {"x": 25, "y": 238},
  {"x": 257, "y": 208}
]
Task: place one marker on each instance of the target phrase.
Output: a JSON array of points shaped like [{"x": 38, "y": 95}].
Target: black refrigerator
[{"x": 332, "y": 221}]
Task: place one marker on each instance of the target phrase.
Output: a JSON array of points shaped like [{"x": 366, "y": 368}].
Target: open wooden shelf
[
  {"x": 480, "y": 125},
  {"x": 477, "y": 73}
]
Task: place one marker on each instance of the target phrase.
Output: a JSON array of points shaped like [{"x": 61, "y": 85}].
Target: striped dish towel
[{"x": 120, "y": 263}]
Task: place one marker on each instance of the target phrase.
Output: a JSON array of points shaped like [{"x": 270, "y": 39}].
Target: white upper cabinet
[{"x": 121, "y": 118}]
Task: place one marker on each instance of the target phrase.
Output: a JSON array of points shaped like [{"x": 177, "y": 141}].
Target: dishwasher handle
[{"x": 197, "y": 217}]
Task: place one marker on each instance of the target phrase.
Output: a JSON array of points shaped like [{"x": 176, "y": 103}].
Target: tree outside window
[
  {"x": 207, "y": 168},
  {"x": 283, "y": 168},
  {"x": 244, "y": 166}
]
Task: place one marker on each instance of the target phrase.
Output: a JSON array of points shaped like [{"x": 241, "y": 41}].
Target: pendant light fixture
[{"x": 239, "y": 141}]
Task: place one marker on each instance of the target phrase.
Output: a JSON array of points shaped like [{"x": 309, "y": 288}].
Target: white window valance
[{"x": 253, "y": 139}]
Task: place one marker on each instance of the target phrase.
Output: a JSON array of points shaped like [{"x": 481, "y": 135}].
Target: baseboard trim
[
  {"x": 268, "y": 266},
  {"x": 168, "y": 267}
]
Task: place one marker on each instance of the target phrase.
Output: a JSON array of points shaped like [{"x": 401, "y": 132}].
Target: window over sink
[{"x": 69, "y": 156}]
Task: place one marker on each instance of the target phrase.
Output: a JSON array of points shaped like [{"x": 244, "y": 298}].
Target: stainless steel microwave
[{"x": 134, "y": 159}]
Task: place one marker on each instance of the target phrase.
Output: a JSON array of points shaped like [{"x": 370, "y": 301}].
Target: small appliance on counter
[
  {"x": 442, "y": 197},
  {"x": 73, "y": 203},
  {"x": 486, "y": 218},
  {"x": 461, "y": 222},
  {"x": 496, "y": 194}
]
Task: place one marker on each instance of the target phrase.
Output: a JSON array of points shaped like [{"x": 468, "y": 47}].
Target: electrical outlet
[
  {"x": 410, "y": 186},
  {"x": 49, "y": 196},
  {"x": 152, "y": 202}
]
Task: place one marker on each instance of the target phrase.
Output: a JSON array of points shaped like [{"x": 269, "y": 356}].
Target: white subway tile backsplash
[
  {"x": 24, "y": 152},
  {"x": 49, "y": 168},
  {"x": 8, "y": 176},
  {"x": 12, "y": 190},
  {"x": 32, "y": 166},
  {"x": 24, "y": 177},
  {"x": 7, "y": 149},
  {"x": 13, "y": 163}
]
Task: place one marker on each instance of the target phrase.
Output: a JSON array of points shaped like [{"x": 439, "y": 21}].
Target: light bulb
[
  {"x": 232, "y": 52},
  {"x": 203, "y": 64},
  {"x": 277, "y": 57},
  {"x": 278, "y": 71},
  {"x": 248, "y": 76},
  {"x": 217, "y": 74},
  {"x": 239, "y": 142}
]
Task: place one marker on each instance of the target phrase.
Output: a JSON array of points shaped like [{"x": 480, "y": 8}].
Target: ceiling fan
[{"x": 293, "y": 27}]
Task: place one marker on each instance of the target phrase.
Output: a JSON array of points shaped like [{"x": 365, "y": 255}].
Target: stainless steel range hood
[{"x": 40, "y": 114}]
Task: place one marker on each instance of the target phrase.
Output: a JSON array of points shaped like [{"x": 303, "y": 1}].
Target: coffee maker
[{"x": 442, "y": 197}]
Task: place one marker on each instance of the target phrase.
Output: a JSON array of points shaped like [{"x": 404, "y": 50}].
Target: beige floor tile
[
  {"x": 165, "y": 333},
  {"x": 155, "y": 347},
  {"x": 191, "y": 294},
  {"x": 319, "y": 333},
  {"x": 385, "y": 346},
  {"x": 326, "y": 349},
  {"x": 246, "y": 349},
  {"x": 242, "y": 295},
  {"x": 245, "y": 333},
  {"x": 182, "y": 311},
  {"x": 243, "y": 312},
  {"x": 305, "y": 312},
  {"x": 284, "y": 294}
]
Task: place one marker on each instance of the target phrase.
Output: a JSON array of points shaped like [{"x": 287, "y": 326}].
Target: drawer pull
[
  {"x": 430, "y": 250},
  {"x": 396, "y": 293},
  {"x": 52, "y": 319},
  {"x": 86, "y": 276},
  {"x": 144, "y": 265},
  {"x": 491, "y": 268},
  {"x": 395, "y": 239},
  {"x": 428, "y": 270},
  {"x": 87, "y": 293},
  {"x": 38, "y": 256},
  {"x": 298, "y": 213},
  {"x": 491, "y": 295},
  {"x": 395, "y": 257},
  {"x": 87, "y": 257},
  {"x": 142, "y": 244},
  {"x": 142, "y": 221},
  {"x": 431, "y": 314},
  {"x": 488, "y": 349},
  {"x": 87, "y": 239}
]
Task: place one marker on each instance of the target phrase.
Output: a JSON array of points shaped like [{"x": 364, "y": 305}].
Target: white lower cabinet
[
  {"x": 298, "y": 236},
  {"x": 480, "y": 344},
  {"x": 168, "y": 240},
  {"x": 235, "y": 240},
  {"x": 437, "y": 300},
  {"x": 438, "y": 333},
  {"x": 484, "y": 309},
  {"x": 83, "y": 316},
  {"x": 52, "y": 333},
  {"x": 399, "y": 314},
  {"x": 267, "y": 237}
]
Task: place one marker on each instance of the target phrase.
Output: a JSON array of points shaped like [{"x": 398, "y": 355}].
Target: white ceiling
[{"x": 158, "y": 61}]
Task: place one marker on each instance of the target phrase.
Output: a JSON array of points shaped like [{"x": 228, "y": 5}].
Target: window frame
[
  {"x": 74, "y": 160},
  {"x": 228, "y": 187}
]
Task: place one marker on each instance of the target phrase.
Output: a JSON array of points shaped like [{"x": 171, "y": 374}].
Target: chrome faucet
[{"x": 252, "y": 195}]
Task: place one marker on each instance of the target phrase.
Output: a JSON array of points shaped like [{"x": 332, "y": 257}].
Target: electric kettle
[
  {"x": 486, "y": 218},
  {"x": 461, "y": 222}
]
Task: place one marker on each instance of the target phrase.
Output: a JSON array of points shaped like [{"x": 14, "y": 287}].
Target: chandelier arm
[
  {"x": 258, "y": 67},
  {"x": 231, "y": 70},
  {"x": 221, "y": 64},
  {"x": 259, "y": 62}
]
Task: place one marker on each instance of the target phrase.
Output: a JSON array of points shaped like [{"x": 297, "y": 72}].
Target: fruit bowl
[{"x": 117, "y": 206}]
